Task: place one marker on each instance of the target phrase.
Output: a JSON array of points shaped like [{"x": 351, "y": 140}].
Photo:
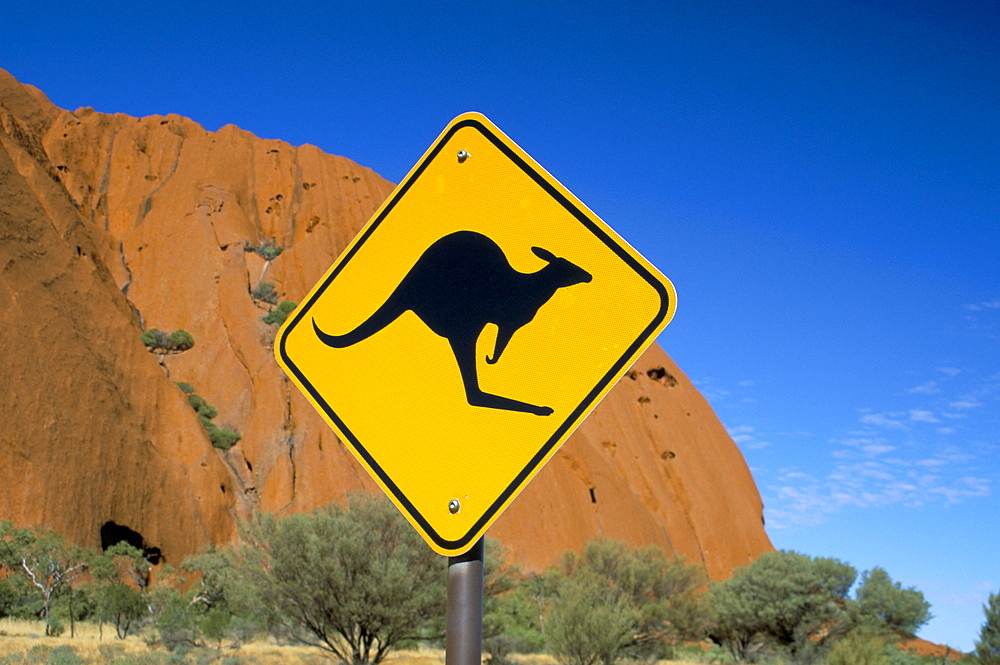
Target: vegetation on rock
[
  {"x": 264, "y": 292},
  {"x": 158, "y": 340},
  {"x": 222, "y": 438},
  {"x": 268, "y": 249},
  {"x": 281, "y": 312}
]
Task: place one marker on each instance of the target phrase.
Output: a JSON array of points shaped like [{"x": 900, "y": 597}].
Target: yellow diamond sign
[{"x": 467, "y": 330}]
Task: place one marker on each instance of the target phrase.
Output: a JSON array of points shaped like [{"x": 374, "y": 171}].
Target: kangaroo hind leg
[{"x": 464, "y": 349}]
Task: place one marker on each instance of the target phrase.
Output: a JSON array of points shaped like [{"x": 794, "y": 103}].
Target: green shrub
[
  {"x": 181, "y": 340},
  {"x": 55, "y": 627},
  {"x": 267, "y": 249},
  {"x": 186, "y": 388},
  {"x": 154, "y": 338},
  {"x": 280, "y": 313},
  {"x": 264, "y": 291},
  {"x": 860, "y": 647},
  {"x": 63, "y": 655},
  {"x": 222, "y": 438},
  {"x": 204, "y": 410},
  {"x": 178, "y": 340}
]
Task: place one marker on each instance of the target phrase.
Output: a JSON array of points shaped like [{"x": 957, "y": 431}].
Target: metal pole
[{"x": 464, "y": 630}]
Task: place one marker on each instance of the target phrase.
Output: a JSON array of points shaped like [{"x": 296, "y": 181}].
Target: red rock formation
[{"x": 111, "y": 224}]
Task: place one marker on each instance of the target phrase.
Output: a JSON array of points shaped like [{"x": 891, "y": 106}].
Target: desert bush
[
  {"x": 859, "y": 647},
  {"x": 512, "y": 622},
  {"x": 585, "y": 624},
  {"x": 659, "y": 589},
  {"x": 356, "y": 582},
  {"x": 63, "y": 655},
  {"x": 264, "y": 292},
  {"x": 181, "y": 340},
  {"x": 280, "y": 313},
  {"x": 791, "y": 600},
  {"x": 204, "y": 410},
  {"x": 178, "y": 340},
  {"x": 268, "y": 249},
  {"x": 887, "y": 605},
  {"x": 620, "y": 602},
  {"x": 154, "y": 337},
  {"x": 222, "y": 438}
]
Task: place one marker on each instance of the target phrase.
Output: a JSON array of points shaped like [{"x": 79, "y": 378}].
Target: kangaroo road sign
[{"x": 467, "y": 330}]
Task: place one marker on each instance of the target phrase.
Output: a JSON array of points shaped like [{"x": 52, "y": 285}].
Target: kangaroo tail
[{"x": 382, "y": 317}]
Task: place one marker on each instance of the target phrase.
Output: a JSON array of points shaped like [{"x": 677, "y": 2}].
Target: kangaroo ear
[{"x": 543, "y": 254}]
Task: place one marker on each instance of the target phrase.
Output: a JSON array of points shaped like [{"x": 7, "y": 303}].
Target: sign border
[{"x": 580, "y": 213}]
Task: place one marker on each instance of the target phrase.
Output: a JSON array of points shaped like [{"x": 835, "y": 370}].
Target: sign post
[
  {"x": 464, "y": 627},
  {"x": 468, "y": 329}
]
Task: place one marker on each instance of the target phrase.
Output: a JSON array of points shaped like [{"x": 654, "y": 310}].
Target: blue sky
[{"x": 819, "y": 180}]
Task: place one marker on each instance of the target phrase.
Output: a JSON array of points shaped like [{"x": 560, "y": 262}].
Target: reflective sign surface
[{"x": 468, "y": 329}]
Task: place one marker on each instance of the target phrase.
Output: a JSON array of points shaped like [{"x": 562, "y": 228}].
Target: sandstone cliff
[{"x": 111, "y": 225}]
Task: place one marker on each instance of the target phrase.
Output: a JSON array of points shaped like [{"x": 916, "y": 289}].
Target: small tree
[
  {"x": 790, "y": 599},
  {"x": 45, "y": 559},
  {"x": 122, "y": 577},
  {"x": 219, "y": 601},
  {"x": 988, "y": 645},
  {"x": 586, "y": 625},
  {"x": 660, "y": 590},
  {"x": 352, "y": 581},
  {"x": 887, "y": 605},
  {"x": 609, "y": 583}
]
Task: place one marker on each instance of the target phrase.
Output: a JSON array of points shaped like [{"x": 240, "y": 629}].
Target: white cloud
[
  {"x": 865, "y": 476},
  {"x": 986, "y": 304},
  {"x": 935, "y": 451},
  {"x": 922, "y": 416},
  {"x": 889, "y": 420},
  {"x": 745, "y": 436},
  {"x": 875, "y": 449},
  {"x": 925, "y": 388}
]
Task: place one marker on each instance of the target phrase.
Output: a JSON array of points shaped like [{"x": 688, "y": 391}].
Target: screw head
[
  {"x": 463, "y": 155},
  {"x": 454, "y": 506}
]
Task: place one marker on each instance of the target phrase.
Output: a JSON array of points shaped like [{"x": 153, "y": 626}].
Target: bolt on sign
[{"x": 468, "y": 329}]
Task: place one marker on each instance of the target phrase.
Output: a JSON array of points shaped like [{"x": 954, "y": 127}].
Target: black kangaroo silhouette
[{"x": 460, "y": 283}]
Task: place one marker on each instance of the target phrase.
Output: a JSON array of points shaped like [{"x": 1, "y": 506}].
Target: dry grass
[{"x": 19, "y": 637}]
